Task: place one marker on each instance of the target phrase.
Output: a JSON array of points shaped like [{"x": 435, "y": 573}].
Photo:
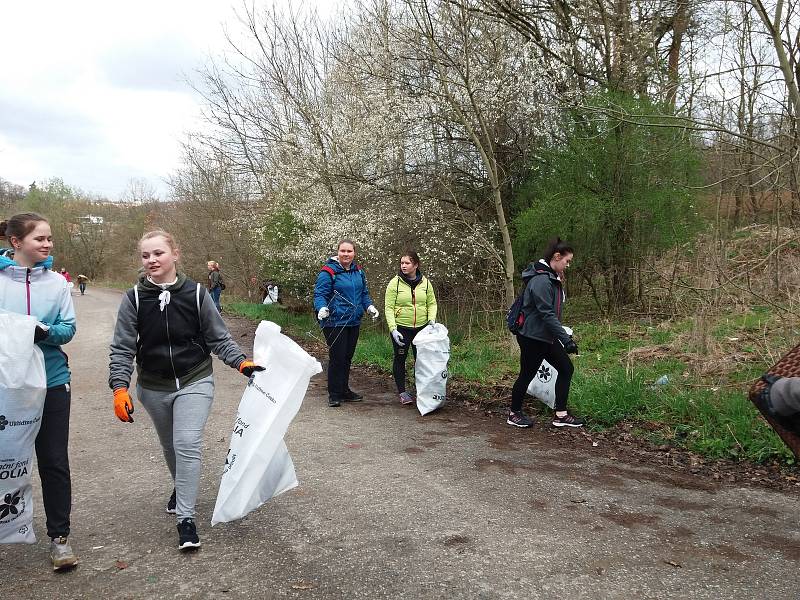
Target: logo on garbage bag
[
  {"x": 229, "y": 460},
  {"x": 13, "y": 506},
  {"x": 544, "y": 374},
  {"x": 267, "y": 395},
  {"x": 445, "y": 374},
  {"x": 12, "y": 470},
  {"x": 239, "y": 427},
  {"x": 6, "y": 423}
]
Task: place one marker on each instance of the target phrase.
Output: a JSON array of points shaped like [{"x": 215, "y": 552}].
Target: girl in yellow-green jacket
[{"x": 410, "y": 306}]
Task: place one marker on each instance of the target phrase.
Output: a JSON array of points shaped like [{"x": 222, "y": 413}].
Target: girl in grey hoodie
[{"x": 170, "y": 325}]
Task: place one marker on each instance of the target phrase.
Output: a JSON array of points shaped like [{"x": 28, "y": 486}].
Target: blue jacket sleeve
[
  {"x": 366, "y": 299},
  {"x": 63, "y": 328},
  {"x": 323, "y": 290}
]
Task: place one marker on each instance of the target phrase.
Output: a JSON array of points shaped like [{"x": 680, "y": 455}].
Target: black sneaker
[
  {"x": 171, "y": 503},
  {"x": 334, "y": 402},
  {"x": 187, "y": 535},
  {"x": 351, "y": 396},
  {"x": 567, "y": 421},
  {"x": 518, "y": 419}
]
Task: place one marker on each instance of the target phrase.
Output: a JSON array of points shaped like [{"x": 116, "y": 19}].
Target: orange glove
[
  {"x": 123, "y": 405},
  {"x": 248, "y": 367}
]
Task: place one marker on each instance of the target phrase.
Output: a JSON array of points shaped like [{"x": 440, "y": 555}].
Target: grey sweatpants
[
  {"x": 785, "y": 396},
  {"x": 179, "y": 418}
]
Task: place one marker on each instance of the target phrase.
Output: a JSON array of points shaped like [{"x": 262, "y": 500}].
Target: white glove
[
  {"x": 373, "y": 312},
  {"x": 398, "y": 338},
  {"x": 323, "y": 313}
]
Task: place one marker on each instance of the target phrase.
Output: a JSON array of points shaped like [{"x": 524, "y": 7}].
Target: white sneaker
[{"x": 61, "y": 554}]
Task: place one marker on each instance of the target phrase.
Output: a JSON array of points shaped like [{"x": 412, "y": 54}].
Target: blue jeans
[{"x": 215, "y": 293}]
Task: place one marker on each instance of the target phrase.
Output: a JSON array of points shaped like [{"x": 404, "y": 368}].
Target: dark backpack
[{"x": 515, "y": 317}]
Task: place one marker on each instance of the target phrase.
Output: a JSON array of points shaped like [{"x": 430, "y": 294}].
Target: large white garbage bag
[
  {"x": 258, "y": 466},
  {"x": 23, "y": 385},
  {"x": 543, "y": 384},
  {"x": 430, "y": 368}
]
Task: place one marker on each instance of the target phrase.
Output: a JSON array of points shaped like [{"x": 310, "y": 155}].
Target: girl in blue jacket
[
  {"x": 29, "y": 287},
  {"x": 340, "y": 299}
]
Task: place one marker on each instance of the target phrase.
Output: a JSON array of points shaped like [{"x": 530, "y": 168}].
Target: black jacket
[
  {"x": 172, "y": 346},
  {"x": 544, "y": 298}
]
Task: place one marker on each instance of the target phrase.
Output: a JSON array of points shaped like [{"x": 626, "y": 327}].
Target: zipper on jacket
[
  {"x": 414, "y": 304},
  {"x": 28, "y": 288},
  {"x": 169, "y": 343}
]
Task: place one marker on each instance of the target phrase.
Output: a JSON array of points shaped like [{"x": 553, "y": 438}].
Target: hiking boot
[
  {"x": 171, "y": 503},
  {"x": 406, "y": 398},
  {"x": 567, "y": 421},
  {"x": 61, "y": 554},
  {"x": 334, "y": 401},
  {"x": 518, "y": 419},
  {"x": 351, "y": 396},
  {"x": 187, "y": 535}
]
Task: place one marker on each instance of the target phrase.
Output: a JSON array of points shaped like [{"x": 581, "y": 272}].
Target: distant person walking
[
  {"x": 82, "y": 281},
  {"x": 215, "y": 283},
  {"x": 29, "y": 287},
  {"x": 167, "y": 324},
  {"x": 340, "y": 299},
  {"x": 410, "y": 306},
  {"x": 65, "y": 274},
  {"x": 542, "y": 335}
]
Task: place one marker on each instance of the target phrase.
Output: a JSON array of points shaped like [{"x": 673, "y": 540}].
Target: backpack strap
[
  {"x": 329, "y": 271},
  {"x": 136, "y": 297}
]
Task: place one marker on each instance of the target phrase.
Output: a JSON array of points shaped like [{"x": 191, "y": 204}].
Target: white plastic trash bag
[
  {"x": 430, "y": 368},
  {"x": 272, "y": 295},
  {"x": 23, "y": 385},
  {"x": 258, "y": 466},
  {"x": 543, "y": 384}
]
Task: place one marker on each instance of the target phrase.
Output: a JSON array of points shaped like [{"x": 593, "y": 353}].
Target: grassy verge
[{"x": 702, "y": 407}]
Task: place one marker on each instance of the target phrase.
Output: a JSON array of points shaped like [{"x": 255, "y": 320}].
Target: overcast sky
[{"x": 95, "y": 92}]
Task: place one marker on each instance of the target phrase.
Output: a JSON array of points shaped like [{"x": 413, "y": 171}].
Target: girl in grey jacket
[
  {"x": 169, "y": 324},
  {"x": 543, "y": 337}
]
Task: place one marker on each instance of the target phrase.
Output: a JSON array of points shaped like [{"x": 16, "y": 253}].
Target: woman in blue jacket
[
  {"x": 340, "y": 299},
  {"x": 29, "y": 287}
]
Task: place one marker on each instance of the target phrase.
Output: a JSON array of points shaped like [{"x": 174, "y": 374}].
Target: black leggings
[
  {"x": 51, "y": 455},
  {"x": 341, "y": 347},
  {"x": 531, "y": 354},
  {"x": 400, "y": 354}
]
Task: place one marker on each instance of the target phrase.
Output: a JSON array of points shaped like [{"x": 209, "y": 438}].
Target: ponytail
[{"x": 557, "y": 246}]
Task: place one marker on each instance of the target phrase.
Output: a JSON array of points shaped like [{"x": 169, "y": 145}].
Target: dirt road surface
[{"x": 394, "y": 505}]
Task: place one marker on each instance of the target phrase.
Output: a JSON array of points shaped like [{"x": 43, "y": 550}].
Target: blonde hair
[{"x": 160, "y": 233}]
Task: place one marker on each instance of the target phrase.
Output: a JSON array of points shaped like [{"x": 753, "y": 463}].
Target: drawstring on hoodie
[{"x": 165, "y": 296}]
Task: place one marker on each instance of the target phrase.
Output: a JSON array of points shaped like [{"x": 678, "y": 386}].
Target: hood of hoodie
[
  {"x": 411, "y": 282},
  {"x": 539, "y": 265},
  {"x": 333, "y": 262},
  {"x": 148, "y": 286},
  {"x": 7, "y": 260}
]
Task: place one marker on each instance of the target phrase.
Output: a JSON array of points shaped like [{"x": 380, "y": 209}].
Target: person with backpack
[
  {"x": 410, "y": 306},
  {"x": 340, "y": 298},
  {"x": 168, "y": 324},
  {"x": 28, "y": 286},
  {"x": 535, "y": 320},
  {"x": 215, "y": 283}
]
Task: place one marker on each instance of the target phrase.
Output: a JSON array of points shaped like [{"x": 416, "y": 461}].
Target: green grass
[{"x": 702, "y": 416}]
